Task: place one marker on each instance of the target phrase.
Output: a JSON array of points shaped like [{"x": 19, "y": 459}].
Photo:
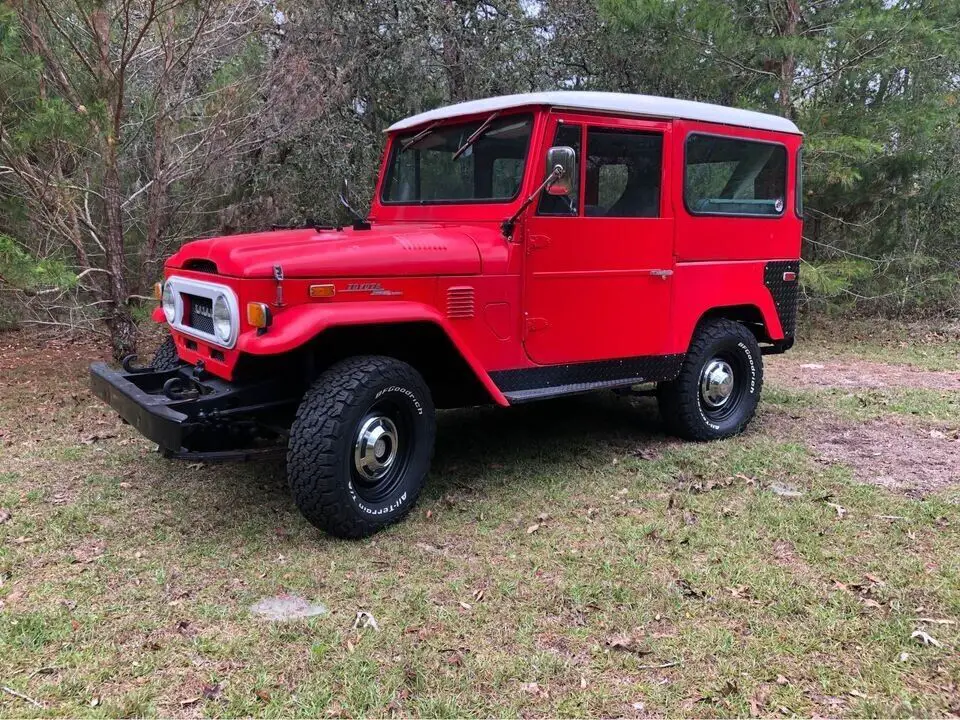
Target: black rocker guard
[{"x": 190, "y": 415}]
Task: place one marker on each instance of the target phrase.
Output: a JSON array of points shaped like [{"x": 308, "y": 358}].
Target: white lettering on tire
[
  {"x": 403, "y": 391},
  {"x": 386, "y": 510}
]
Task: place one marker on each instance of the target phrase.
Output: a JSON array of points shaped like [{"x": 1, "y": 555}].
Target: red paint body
[{"x": 562, "y": 290}]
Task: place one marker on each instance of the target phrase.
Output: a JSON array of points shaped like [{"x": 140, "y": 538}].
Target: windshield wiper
[
  {"x": 418, "y": 137},
  {"x": 476, "y": 135}
]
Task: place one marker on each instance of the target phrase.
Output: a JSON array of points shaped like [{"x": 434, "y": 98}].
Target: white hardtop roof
[{"x": 620, "y": 103}]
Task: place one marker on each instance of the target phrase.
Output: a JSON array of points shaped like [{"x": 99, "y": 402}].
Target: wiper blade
[
  {"x": 476, "y": 135},
  {"x": 418, "y": 137}
]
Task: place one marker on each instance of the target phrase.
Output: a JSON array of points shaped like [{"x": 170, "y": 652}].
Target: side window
[
  {"x": 727, "y": 176},
  {"x": 568, "y": 135},
  {"x": 798, "y": 200},
  {"x": 623, "y": 173}
]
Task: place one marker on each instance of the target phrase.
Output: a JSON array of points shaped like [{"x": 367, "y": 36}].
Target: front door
[{"x": 599, "y": 265}]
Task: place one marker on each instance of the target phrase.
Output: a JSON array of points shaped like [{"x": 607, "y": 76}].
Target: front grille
[{"x": 200, "y": 316}]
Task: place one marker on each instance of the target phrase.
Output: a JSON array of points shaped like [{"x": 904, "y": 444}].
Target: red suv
[{"x": 517, "y": 248}]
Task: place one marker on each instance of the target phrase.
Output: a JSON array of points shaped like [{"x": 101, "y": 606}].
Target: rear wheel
[
  {"x": 715, "y": 395},
  {"x": 361, "y": 446}
]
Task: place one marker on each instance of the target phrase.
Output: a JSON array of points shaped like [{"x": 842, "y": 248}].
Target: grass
[
  {"x": 922, "y": 345},
  {"x": 561, "y": 554},
  {"x": 935, "y": 406}
]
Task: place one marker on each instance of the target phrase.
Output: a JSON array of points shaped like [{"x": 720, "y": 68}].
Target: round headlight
[
  {"x": 168, "y": 303},
  {"x": 222, "y": 319}
]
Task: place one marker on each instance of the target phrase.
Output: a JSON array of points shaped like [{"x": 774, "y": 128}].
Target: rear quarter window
[{"x": 732, "y": 176}]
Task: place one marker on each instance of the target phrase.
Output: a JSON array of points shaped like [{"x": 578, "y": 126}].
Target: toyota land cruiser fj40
[{"x": 517, "y": 248}]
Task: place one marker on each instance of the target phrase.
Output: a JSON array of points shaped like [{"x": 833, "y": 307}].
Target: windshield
[{"x": 489, "y": 170}]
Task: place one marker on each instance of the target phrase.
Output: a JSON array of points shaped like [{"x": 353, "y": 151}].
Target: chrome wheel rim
[
  {"x": 375, "y": 448},
  {"x": 717, "y": 383}
]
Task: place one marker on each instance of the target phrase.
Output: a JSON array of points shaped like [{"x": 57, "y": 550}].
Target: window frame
[
  {"x": 664, "y": 179},
  {"x": 723, "y": 136},
  {"x": 798, "y": 185},
  {"x": 396, "y": 144},
  {"x": 582, "y": 128}
]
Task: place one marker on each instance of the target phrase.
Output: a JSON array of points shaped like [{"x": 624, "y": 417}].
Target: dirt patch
[
  {"x": 791, "y": 373},
  {"x": 894, "y": 453}
]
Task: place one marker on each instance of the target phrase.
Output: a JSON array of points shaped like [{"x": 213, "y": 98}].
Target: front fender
[{"x": 298, "y": 325}]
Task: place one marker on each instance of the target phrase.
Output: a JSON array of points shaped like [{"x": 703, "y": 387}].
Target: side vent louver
[{"x": 460, "y": 302}]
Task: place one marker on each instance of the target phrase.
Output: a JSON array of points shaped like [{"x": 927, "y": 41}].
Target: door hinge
[
  {"x": 537, "y": 242},
  {"x": 536, "y": 323}
]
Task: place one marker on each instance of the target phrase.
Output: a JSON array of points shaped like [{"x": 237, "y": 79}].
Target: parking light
[{"x": 259, "y": 315}]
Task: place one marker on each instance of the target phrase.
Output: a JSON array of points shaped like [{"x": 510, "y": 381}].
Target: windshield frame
[{"x": 397, "y": 141}]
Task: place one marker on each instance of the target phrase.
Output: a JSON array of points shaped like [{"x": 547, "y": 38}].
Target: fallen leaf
[
  {"x": 583, "y": 683},
  {"x": 841, "y": 511},
  {"x": 5, "y": 515},
  {"x": 94, "y": 702},
  {"x": 455, "y": 659},
  {"x": 689, "y": 591},
  {"x": 364, "y": 620},
  {"x": 465, "y": 606},
  {"x": 532, "y": 529},
  {"x": 190, "y": 701},
  {"x": 785, "y": 491},
  {"x": 212, "y": 692},
  {"x": 535, "y": 689},
  {"x": 925, "y": 639},
  {"x": 627, "y": 643},
  {"x": 22, "y": 540}
]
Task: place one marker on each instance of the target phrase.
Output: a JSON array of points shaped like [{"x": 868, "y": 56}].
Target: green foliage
[
  {"x": 25, "y": 272},
  {"x": 832, "y": 278}
]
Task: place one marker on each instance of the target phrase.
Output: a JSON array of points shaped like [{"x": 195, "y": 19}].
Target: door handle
[{"x": 661, "y": 273}]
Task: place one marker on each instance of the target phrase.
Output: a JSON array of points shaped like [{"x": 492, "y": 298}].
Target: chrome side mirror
[{"x": 564, "y": 158}]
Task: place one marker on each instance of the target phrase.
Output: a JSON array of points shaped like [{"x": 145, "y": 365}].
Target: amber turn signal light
[
  {"x": 322, "y": 291},
  {"x": 259, "y": 315},
  {"x": 158, "y": 291}
]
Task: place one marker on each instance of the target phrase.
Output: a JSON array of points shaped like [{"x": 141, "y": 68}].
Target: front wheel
[
  {"x": 715, "y": 395},
  {"x": 361, "y": 446},
  {"x": 166, "y": 358}
]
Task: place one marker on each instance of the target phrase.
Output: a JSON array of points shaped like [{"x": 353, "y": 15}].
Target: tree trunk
[{"x": 788, "y": 67}]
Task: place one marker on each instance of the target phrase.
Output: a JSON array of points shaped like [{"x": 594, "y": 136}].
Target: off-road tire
[
  {"x": 682, "y": 405},
  {"x": 166, "y": 358},
  {"x": 321, "y": 467}
]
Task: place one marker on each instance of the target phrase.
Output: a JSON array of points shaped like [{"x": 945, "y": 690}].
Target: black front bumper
[{"x": 218, "y": 418}]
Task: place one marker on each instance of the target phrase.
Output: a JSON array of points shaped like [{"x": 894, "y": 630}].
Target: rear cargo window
[{"x": 729, "y": 176}]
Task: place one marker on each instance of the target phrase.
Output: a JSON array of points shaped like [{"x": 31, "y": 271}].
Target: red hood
[{"x": 384, "y": 250}]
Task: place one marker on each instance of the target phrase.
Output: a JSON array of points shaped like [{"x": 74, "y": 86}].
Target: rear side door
[{"x": 598, "y": 266}]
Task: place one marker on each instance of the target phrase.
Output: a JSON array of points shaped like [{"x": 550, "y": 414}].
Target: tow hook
[{"x": 129, "y": 367}]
